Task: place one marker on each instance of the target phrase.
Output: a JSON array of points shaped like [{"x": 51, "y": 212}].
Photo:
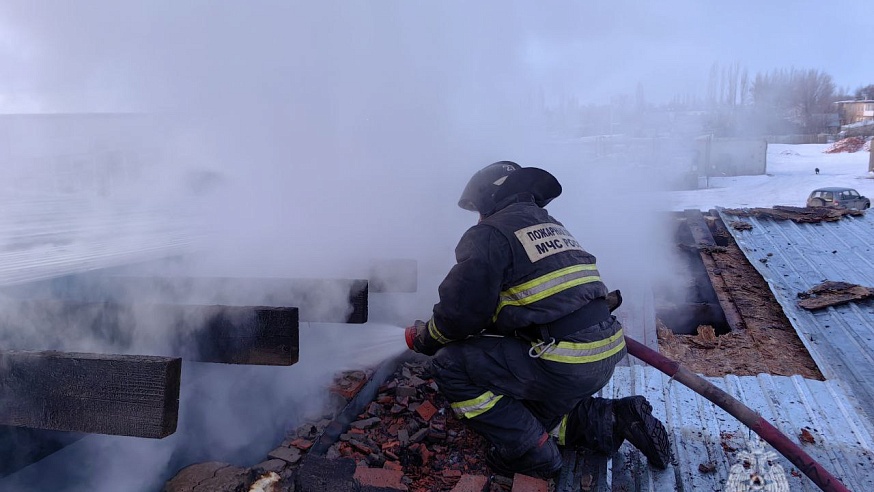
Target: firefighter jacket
[{"x": 517, "y": 268}]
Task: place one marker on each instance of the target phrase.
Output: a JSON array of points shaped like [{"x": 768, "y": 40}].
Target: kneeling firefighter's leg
[
  {"x": 589, "y": 425},
  {"x": 635, "y": 422},
  {"x": 519, "y": 439},
  {"x": 602, "y": 425}
]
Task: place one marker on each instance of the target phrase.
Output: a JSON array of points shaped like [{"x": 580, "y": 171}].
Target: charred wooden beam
[
  {"x": 222, "y": 334},
  {"x": 705, "y": 243},
  {"x": 318, "y": 300},
  {"x": 126, "y": 395}
]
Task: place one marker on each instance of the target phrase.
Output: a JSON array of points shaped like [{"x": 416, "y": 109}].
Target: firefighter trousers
[{"x": 512, "y": 399}]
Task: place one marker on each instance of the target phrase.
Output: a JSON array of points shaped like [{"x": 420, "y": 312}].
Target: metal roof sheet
[
  {"x": 795, "y": 257},
  {"x": 704, "y": 434},
  {"x": 792, "y": 258}
]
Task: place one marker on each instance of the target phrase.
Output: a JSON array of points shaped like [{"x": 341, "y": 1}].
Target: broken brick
[
  {"x": 426, "y": 410},
  {"x": 390, "y": 444},
  {"x": 402, "y": 391},
  {"x": 524, "y": 483},
  {"x": 392, "y": 465},
  {"x": 301, "y": 443},
  {"x": 384, "y": 399},
  {"x": 470, "y": 483},
  {"x": 364, "y": 448},
  {"x": 416, "y": 381},
  {"x": 365, "y": 423},
  {"x": 419, "y": 435},
  {"x": 425, "y": 453},
  {"x": 403, "y": 437},
  {"x": 290, "y": 455},
  {"x": 379, "y": 477},
  {"x": 272, "y": 465},
  {"x": 375, "y": 460}
]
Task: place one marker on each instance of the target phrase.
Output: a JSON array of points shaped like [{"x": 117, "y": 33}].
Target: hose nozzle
[{"x": 409, "y": 336}]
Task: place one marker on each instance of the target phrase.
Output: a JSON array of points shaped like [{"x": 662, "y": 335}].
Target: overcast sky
[{"x": 104, "y": 55}]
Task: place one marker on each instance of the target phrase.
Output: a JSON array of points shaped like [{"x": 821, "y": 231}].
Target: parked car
[{"x": 837, "y": 197}]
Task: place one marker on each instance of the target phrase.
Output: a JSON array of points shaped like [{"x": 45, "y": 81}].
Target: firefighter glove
[
  {"x": 614, "y": 300},
  {"x": 419, "y": 339}
]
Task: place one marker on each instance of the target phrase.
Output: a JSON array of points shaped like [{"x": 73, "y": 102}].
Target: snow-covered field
[{"x": 790, "y": 178}]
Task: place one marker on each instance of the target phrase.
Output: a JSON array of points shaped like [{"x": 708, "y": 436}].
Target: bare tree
[
  {"x": 866, "y": 92},
  {"x": 795, "y": 96}
]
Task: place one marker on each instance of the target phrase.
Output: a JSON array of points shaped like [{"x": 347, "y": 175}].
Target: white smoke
[{"x": 305, "y": 139}]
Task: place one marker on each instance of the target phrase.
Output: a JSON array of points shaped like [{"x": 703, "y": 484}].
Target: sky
[{"x": 101, "y": 55}]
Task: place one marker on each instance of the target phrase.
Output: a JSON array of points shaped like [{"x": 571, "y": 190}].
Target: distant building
[{"x": 855, "y": 111}]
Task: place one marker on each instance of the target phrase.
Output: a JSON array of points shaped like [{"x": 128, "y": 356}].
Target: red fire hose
[{"x": 822, "y": 478}]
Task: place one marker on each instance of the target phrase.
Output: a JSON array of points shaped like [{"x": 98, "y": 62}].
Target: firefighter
[{"x": 523, "y": 335}]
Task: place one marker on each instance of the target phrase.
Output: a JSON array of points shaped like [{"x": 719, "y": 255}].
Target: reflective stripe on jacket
[
  {"x": 580, "y": 352},
  {"x": 547, "y": 285},
  {"x": 517, "y": 268},
  {"x": 476, "y": 406}
]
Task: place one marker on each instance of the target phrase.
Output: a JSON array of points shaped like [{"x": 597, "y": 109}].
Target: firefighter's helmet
[{"x": 503, "y": 179}]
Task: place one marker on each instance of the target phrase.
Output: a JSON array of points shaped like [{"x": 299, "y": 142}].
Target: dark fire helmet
[{"x": 503, "y": 179}]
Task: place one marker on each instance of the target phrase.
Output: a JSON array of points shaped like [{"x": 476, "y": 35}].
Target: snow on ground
[{"x": 789, "y": 180}]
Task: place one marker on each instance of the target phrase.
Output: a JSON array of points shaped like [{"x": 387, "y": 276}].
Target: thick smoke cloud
[{"x": 326, "y": 134}]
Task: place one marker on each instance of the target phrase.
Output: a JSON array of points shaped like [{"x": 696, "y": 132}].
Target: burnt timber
[
  {"x": 705, "y": 243},
  {"x": 127, "y": 395},
  {"x": 220, "y": 334}
]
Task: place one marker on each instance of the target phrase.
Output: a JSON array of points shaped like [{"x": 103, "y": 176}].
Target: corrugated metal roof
[
  {"x": 704, "y": 434},
  {"x": 794, "y": 257}
]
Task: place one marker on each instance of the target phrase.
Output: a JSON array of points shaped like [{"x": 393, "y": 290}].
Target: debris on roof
[
  {"x": 831, "y": 293},
  {"x": 795, "y": 214},
  {"x": 740, "y": 225}
]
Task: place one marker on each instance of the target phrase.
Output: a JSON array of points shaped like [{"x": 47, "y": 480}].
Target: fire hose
[{"x": 804, "y": 462}]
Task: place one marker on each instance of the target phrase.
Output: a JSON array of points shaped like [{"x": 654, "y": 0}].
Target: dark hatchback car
[{"x": 838, "y": 197}]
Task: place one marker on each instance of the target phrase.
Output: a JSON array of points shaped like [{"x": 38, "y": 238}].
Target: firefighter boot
[
  {"x": 634, "y": 421},
  {"x": 541, "y": 461}
]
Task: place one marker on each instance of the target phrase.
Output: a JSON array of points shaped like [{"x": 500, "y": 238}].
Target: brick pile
[
  {"x": 850, "y": 144},
  {"x": 409, "y": 428},
  {"x": 405, "y": 439}
]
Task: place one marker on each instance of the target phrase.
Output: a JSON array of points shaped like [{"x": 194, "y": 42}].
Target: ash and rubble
[
  {"x": 831, "y": 293},
  {"x": 405, "y": 439},
  {"x": 799, "y": 215}
]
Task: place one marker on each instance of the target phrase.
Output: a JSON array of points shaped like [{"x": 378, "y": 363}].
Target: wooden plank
[
  {"x": 705, "y": 243},
  {"x": 222, "y": 334},
  {"x": 126, "y": 395},
  {"x": 318, "y": 300}
]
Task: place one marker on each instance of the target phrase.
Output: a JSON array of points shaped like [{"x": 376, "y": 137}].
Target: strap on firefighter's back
[{"x": 591, "y": 314}]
